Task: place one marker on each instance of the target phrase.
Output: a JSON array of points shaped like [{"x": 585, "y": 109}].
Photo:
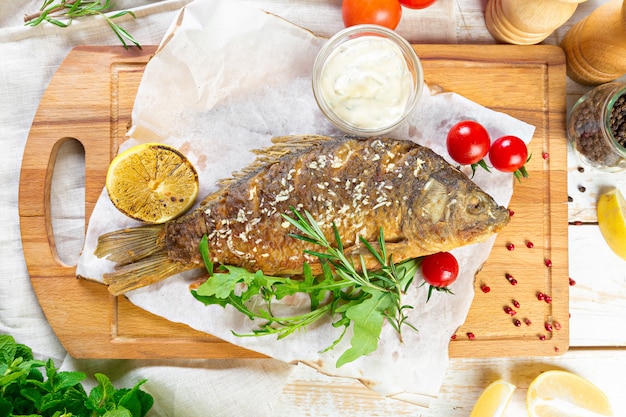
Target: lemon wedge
[
  {"x": 494, "y": 399},
  {"x": 611, "y": 210},
  {"x": 564, "y": 394},
  {"x": 152, "y": 182}
]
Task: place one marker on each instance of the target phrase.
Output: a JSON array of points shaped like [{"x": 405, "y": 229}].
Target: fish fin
[
  {"x": 140, "y": 256},
  {"x": 139, "y": 274},
  {"x": 129, "y": 245},
  {"x": 282, "y": 145},
  {"x": 297, "y": 142}
]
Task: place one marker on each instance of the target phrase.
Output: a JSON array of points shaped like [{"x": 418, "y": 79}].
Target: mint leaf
[
  {"x": 118, "y": 412},
  {"x": 8, "y": 349},
  {"x": 5, "y": 408},
  {"x": 24, "y": 391},
  {"x": 102, "y": 394},
  {"x": 134, "y": 400},
  {"x": 52, "y": 401},
  {"x": 65, "y": 380}
]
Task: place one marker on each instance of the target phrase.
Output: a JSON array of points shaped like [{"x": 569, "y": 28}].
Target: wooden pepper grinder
[
  {"x": 527, "y": 22},
  {"x": 595, "y": 47}
]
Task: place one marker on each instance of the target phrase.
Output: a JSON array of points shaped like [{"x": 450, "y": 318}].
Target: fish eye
[{"x": 475, "y": 204}]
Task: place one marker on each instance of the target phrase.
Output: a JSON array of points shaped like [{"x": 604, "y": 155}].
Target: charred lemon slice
[{"x": 152, "y": 182}]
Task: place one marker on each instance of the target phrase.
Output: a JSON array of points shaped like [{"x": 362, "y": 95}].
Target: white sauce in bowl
[{"x": 366, "y": 82}]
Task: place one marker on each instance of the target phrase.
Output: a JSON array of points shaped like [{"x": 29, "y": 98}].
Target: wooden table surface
[{"x": 597, "y": 303}]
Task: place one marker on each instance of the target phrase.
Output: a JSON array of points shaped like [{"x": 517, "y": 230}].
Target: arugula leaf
[{"x": 367, "y": 317}]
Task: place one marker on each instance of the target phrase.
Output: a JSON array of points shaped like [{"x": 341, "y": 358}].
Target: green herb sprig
[
  {"x": 343, "y": 292},
  {"x": 63, "y": 12},
  {"x": 25, "y": 391}
]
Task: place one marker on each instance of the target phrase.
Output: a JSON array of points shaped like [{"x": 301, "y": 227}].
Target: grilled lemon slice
[{"x": 152, "y": 182}]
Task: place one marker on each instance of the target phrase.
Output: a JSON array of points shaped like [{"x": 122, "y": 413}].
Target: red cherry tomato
[
  {"x": 440, "y": 269},
  {"x": 417, "y": 4},
  {"x": 378, "y": 12},
  {"x": 468, "y": 142},
  {"x": 509, "y": 154}
]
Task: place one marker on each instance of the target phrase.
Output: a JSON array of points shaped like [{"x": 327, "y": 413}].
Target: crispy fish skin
[{"x": 422, "y": 203}]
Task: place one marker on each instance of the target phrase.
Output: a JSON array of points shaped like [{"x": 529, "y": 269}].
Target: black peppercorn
[{"x": 597, "y": 127}]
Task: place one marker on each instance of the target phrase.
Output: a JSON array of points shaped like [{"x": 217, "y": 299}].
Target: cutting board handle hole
[{"x": 67, "y": 200}]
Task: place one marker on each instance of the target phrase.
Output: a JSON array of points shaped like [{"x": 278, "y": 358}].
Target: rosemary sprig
[
  {"x": 63, "y": 12},
  {"x": 349, "y": 295}
]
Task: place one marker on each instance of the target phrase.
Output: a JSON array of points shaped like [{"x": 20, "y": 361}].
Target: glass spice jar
[{"x": 596, "y": 127}]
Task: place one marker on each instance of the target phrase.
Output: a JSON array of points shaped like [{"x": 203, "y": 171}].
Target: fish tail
[{"x": 140, "y": 255}]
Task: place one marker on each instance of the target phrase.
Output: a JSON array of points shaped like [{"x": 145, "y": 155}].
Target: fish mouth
[{"x": 501, "y": 217}]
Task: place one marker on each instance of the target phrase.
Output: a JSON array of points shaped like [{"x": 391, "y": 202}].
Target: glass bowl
[{"x": 367, "y": 80}]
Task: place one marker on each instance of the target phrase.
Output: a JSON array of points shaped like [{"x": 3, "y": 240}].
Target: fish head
[
  {"x": 457, "y": 212},
  {"x": 478, "y": 216}
]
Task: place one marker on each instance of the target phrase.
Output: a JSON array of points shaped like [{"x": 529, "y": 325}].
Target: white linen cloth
[{"x": 30, "y": 57}]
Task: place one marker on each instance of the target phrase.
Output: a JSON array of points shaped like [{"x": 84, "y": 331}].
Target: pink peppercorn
[
  {"x": 572, "y": 282},
  {"x": 471, "y": 336},
  {"x": 485, "y": 288},
  {"x": 548, "y": 327},
  {"x": 510, "y": 246},
  {"x": 510, "y": 278},
  {"x": 516, "y": 303},
  {"x": 508, "y": 310},
  {"x": 530, "y": 244},
  {"x": 548, "y": 263}
]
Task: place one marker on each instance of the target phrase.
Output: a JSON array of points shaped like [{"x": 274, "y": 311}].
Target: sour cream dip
[
  {"x": 367, "y": 79},
  {"x": 366, "y": 82}
]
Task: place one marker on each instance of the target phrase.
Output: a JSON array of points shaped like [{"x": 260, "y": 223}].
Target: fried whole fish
[{"x": 422, "y": 203}]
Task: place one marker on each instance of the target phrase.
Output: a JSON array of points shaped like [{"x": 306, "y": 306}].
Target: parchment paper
[{"x": 226, "y": 79}]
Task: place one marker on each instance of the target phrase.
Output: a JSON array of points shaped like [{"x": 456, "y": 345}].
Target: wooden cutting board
[{"x": 90, "y": 100}]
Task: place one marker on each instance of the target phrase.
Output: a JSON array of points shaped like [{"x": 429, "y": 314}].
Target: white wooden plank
[
  {"x": 585, "y": 184},
  {"x": 470, "y": 22},
  {"x": 598, "y": 300},
  {"x": 466, "y": 379},
  {"x": 310, "y": 394}
]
